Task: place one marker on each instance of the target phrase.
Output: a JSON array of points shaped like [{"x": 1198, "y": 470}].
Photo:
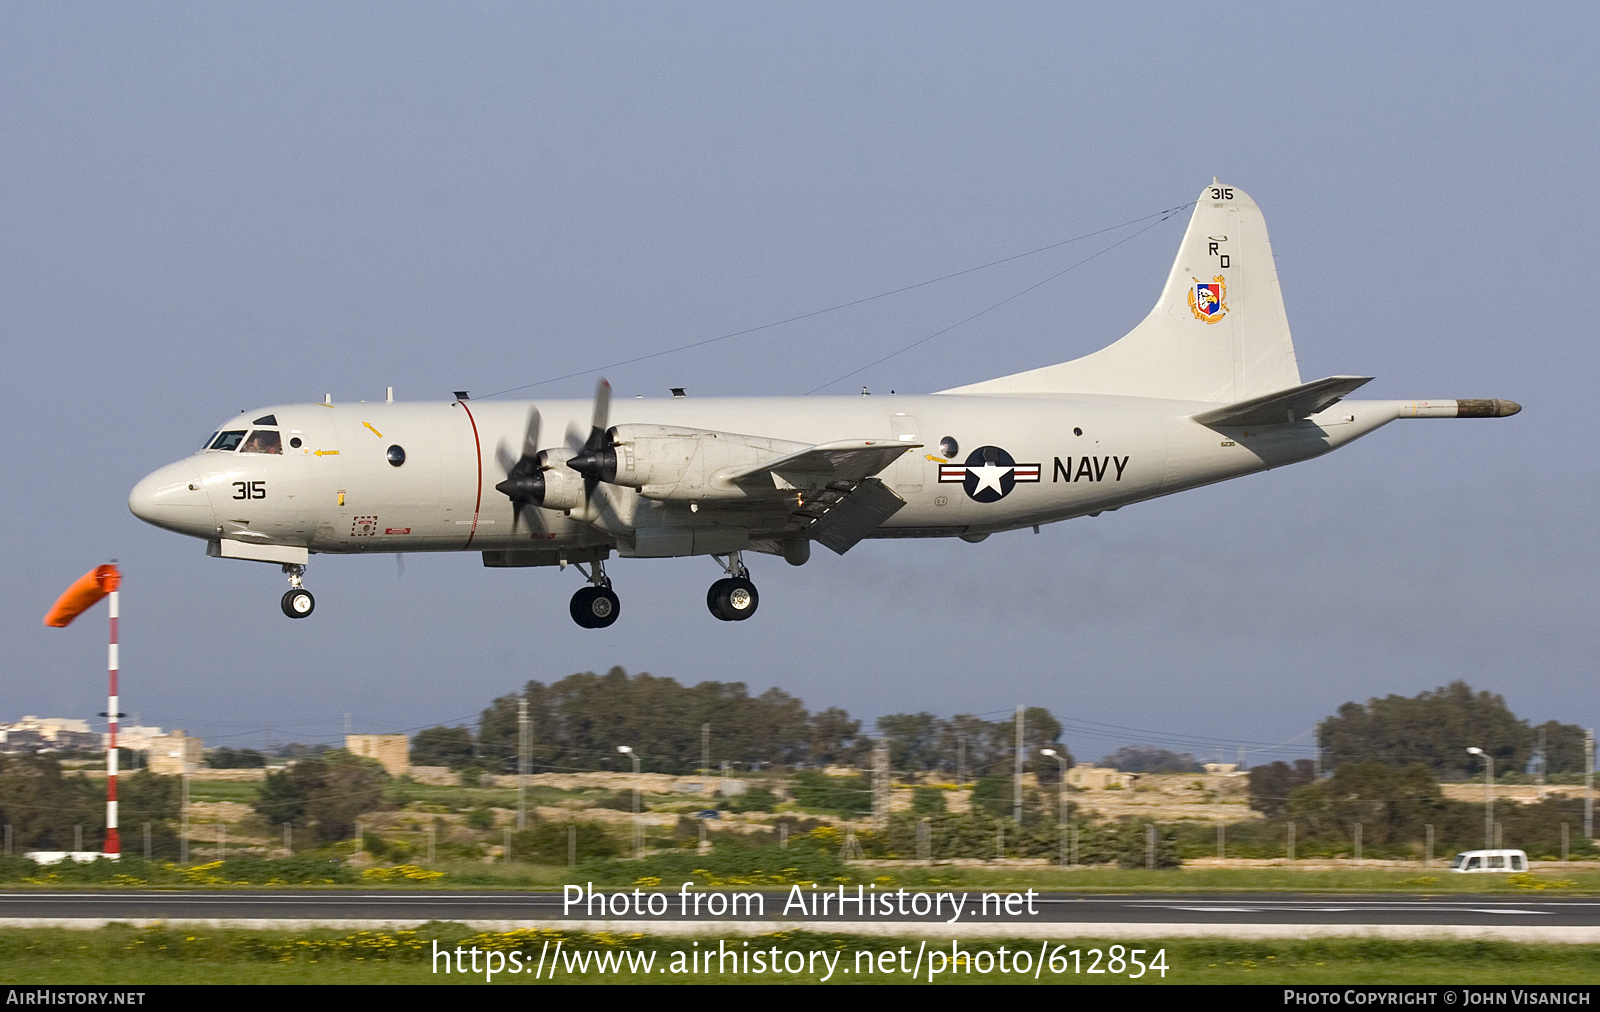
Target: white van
[{"x": 1490, "y": 861}]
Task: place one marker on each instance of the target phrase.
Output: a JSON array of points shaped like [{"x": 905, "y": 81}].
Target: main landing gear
[
  {"x": 734, "y": 598},
  {"x": 298, "y": 602},
  {"x": 595, "y": 606}
]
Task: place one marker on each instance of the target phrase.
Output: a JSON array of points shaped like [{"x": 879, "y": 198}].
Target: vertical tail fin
[{"x": 1218, "y": 332}]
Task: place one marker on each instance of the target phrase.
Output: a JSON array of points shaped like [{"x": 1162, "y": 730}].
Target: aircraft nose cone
[{"x": 174, "y": 498}]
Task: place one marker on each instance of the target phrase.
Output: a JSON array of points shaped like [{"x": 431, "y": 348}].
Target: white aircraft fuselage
[
  {"x": 337, "y": 493},
  {"x": 1205, "y": 389}
]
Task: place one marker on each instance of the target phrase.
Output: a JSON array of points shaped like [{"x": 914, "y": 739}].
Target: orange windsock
[{"x": 81, "y": 596}]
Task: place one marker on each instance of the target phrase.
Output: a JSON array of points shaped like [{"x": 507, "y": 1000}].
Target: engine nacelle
[
  {"x": 672, "y": 463},
  {"x": 561, "y": 488}
]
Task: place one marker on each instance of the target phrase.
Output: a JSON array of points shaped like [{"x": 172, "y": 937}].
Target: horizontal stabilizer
[{"x": 1289, "y": 405}]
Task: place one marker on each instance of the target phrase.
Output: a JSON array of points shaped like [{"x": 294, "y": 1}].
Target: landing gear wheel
[
  {"x": 733, "y": 600},
  {"x": 595, "y": 607},
  {"x": 713, "y": 595},
  {"x": 298, "y": 602}
]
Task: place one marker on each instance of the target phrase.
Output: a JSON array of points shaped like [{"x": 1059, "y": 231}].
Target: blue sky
[{"x": 213, "y": 207}]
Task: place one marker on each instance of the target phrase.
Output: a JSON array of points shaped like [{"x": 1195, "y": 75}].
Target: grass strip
[{"x": 121, "y": 954}]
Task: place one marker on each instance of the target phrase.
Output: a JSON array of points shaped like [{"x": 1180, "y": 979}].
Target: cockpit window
[
  {"x": 228, "y": 440},
  {"x": 266, "y": 420},
  {"x": 209, "y": 440},
  {"x": 263, "y": 441}
]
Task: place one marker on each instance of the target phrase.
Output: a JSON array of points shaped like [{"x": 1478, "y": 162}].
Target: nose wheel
[{"x": 298, "y": 602}]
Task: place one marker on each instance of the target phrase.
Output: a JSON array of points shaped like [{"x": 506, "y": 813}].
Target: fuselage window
[
  {"x": 263, "y": 441},
  {"x": 228, "y": 440}
]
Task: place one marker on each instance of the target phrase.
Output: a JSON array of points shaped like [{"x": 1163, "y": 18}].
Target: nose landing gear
[
  {"x": 734, "y": 598},
  {"x": 597, "y": 605},
  {"x": 298, "y": 602}
]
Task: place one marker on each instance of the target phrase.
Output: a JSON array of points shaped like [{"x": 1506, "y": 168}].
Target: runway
[{"x": 897, "y": 912}]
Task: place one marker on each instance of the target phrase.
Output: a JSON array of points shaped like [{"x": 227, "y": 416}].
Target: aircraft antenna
[
  {"x": 1162, "y": 215},
  {"x": 997, "y": 305}
]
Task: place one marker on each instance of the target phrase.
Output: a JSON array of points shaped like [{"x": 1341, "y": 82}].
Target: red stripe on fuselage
[{"x": 477, "y": 450}]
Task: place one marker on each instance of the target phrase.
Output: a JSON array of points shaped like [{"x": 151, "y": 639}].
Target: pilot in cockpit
[{"x": 262, "y": 441}]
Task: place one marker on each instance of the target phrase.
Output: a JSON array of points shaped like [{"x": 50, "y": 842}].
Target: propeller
[
  {"x": 524, "y": 484},
  {"x": 596, "y": 457}
]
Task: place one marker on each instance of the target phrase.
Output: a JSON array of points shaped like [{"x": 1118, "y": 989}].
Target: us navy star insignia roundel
[{"x": 989, "y": 474}]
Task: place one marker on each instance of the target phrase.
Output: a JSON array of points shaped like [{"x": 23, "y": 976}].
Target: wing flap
[{"x": 847, "y": 512}]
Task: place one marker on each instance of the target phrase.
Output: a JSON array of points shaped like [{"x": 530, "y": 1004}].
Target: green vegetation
[
  {"x": 235, "y": 758},
  {"x": 242, "y": 792},
  {"x": 1435, "y": 728},
  {"x": 324, "y": 793},
  {"x": 1149, "y": 759},
  {"x": 444, "y": 746},
  {"x": 846, "y": 797},
  {"x": 45, "y": 808},
  {"x": 1394, "y": 806},
  {"x": 923, "y": 743},
  {"x": 121, "y": 954}
]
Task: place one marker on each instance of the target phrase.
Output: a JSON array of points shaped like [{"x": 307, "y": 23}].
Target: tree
[
  {"x": 1563, "y": 747},
  {"x": 921, "y": 742},
  {"x": 836, "y": 740},
  {"x": 1150, "y": 759},
  {"x": 1391, "y": 803},
  {"x": 233, "y": 759},
  {"x": 1436, "y": 728},
  {"x": 144, "y": 798},
  {"x": 43, "y": 807},
  {"x": 913, "y": 740},
  {"x": 328, "y": 792},
  {"x": 993, "y": 794},
  {"x": 1270, "y": 785},
  {"x": 444, "y": 746},
  {"x": 578, "y": 722}
]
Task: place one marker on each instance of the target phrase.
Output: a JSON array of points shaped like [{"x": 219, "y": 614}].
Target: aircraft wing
[
  {"x": 1289, "y": 405},
  {"x": 839, "y": 501},
  {"x": 816, "y": 467}
]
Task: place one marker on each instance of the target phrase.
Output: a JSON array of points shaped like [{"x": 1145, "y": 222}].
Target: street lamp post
[
  {"x": 1061, "y": 799},
  {"x": 1488, "y": 797},
  {"x": 638, "y": 843}
]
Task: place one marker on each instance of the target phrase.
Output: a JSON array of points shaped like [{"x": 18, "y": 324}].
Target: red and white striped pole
[
  {"x": 101, "y": 581},
  {"x": 113, "y": 838}
]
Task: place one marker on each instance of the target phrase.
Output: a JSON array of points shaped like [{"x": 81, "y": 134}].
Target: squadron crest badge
[{"x": 1209, "y": 301}]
